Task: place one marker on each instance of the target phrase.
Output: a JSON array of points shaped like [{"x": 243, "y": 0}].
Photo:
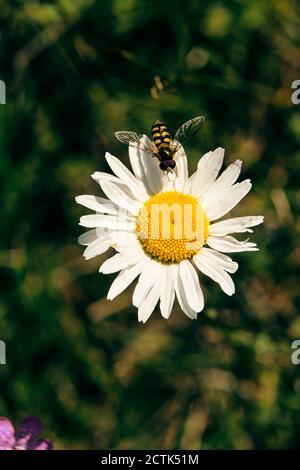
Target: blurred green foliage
[{"x": 76, "y": 72}]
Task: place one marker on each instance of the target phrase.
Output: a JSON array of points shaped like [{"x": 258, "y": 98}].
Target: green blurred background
[{"x": 76, "y": 72}]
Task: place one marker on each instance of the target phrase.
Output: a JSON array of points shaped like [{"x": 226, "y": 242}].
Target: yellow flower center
[{"x": 172, "y": 226}]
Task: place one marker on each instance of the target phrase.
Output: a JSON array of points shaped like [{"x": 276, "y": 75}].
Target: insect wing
[
  {"x": 127, "y": 137},
  {"x": 134, "y": 140},
  {"x": 189, "y": 128}
]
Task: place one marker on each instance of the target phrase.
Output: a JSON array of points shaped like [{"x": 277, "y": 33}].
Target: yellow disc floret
[{"x": 172, "y": 226}]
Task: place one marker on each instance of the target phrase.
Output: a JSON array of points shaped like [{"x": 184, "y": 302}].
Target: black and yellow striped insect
[
  {"x": 161, "y": 138},
  {"x": 162, "y": 146}
]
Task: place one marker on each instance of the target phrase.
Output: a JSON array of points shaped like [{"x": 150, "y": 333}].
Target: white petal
[
  {"x": 145, "y": 282},
  {"x": 88, "y": 237},
  {"x": 223, "y": 183},
  {"x": 168, "y": 182},
  {"x": 229, "y": 176},
  {"x": 119, "y": 197},
  {"x": 116, "y": 238},
  {"x": 149, "y": 303},
  {"x": 211, "y": 268},
  {"x": 235, "y": 225},
  {"x": 128, "y": 244},
  {"x": 120, "y": 170},
  {"x": 97, "y": 247},
  {"x": 181, "y": 168},
  {"x": 189, "y": 281},
  {"x": 123, "y": 242},
  {"x": 183, "y": 302},
  {"x": 106, "y": 221},
  {"x": 98, "y": 204},
  {"x": 230, "y": 245},
  {"x": 217, "y": 208},
  {"x": 167, "y": 295},
  {"x": 136, "y": 161},
  {"x": 101, "y": 176},
  {"x": 121, "y": 236},
  {"x": 208, "y": 170},
  {"x": 224, "y": 261},
  {"x": 146, "y": 167},
  {"x": 119, "y": 261},
  {"x": 123, "y": 280}
]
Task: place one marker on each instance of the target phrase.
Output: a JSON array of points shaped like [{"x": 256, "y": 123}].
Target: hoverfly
[{"x": 162, "y": 146}]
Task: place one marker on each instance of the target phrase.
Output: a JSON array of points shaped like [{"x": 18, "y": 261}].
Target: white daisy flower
[{"x": 166, "y": 227}]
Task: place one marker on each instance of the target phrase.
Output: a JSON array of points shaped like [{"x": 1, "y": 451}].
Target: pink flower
[{"x": 25, "y": 437}]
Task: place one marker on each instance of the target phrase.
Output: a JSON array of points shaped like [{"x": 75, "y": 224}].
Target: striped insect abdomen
[{"x": 160, "y": 135}]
